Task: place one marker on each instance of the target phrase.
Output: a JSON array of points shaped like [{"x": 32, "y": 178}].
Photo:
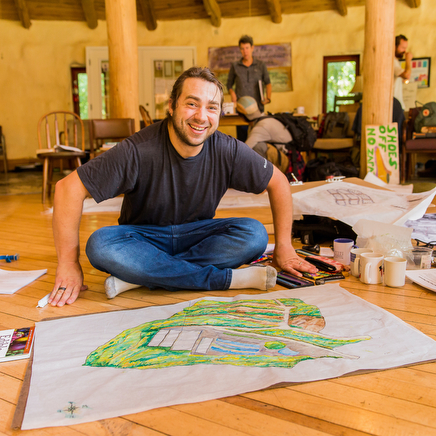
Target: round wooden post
[
  {"x": 378, "y": 69},
  {"x": 123, "y": 59}
]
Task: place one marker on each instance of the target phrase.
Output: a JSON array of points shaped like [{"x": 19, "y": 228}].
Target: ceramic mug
[
  {"x": 342, "y": 248},
  {"x": 371, "y": 268},
  {"x": 300, "y": 110},
  {"x": 394, "y": 271},
  {"x": 355, "y": 260}
]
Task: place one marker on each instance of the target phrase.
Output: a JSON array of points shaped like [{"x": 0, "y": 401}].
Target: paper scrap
[{"x": 12, "y": 281}]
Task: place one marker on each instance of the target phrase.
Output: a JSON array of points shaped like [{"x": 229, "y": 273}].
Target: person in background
[
  {"x": 248, "y": 75},
  {"x": 262, "y": 131},
  {"x": 401, "y": 74}
]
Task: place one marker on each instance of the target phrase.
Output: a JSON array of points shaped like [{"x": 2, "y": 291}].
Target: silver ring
[
  {"x": 298, "y": 264},
  {"x": 62, "y": 288}
]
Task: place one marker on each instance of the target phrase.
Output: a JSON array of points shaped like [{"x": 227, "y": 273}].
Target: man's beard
[
  {"x": 182, "y": 135},
  {"x": 399, "y": 55}
]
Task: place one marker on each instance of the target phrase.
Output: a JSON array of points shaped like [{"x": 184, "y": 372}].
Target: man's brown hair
[{"x": 195, "y": 73}]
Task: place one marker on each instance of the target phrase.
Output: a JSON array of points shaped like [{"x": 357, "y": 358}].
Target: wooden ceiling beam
[
  {"x": 414, "y": 3},
  {"x": 342, "y": 7},
  {"x": 90, "y": 14},
  {"x": 214, "y": 12},
  {"x": 149, "y": 14},
  {"x": 23, "y": 13},
  {"x": 275, "y": 10}
]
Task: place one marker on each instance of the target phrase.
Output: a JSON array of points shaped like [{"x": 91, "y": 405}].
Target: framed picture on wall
[{"x": 420, "y": 71}]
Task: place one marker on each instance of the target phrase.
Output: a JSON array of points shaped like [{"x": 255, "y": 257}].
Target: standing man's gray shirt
[{"x": 247, "y": 79}]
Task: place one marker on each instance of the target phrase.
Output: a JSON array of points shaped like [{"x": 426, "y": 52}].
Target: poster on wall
[
  {"x": 382, "y": 152},
  {"x": 277, "y": 58},
  {"x": 420, "y": 71}
]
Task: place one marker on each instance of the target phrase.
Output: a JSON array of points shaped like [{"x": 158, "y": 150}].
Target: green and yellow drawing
[{"x": 280, "y": 333}]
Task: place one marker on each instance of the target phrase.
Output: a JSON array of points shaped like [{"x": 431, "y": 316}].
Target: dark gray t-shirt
[{"x": 162, "y": 188}]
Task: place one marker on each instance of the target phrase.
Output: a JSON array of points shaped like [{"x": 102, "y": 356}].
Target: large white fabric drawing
[
  {"x": 349, "y": 203},
  {"x": 64, "y": 392},
  {"x": 231, "y": 199}
]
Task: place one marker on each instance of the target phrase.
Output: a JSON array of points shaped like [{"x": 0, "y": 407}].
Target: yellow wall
[{"x": 35, "y": 63}]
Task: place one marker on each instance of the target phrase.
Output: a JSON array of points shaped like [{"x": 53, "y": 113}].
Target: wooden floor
[{"x": 393, "y": 402}]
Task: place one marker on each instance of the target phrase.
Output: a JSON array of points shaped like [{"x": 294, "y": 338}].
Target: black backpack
[
  {"x": 322, "y": 167},
  {"x": 303, "y": 134},
  {"x": 336, "y": 125}
]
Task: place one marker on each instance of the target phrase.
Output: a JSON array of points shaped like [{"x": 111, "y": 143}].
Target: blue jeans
[{"x": 198, "y": 255}]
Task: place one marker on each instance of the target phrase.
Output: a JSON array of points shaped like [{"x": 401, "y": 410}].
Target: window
[
  {"x": 80, "y": 91},
  {"x": 339, "y": 75}
]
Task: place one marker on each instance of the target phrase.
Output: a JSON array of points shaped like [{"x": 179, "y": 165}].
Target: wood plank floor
[{"x": 395, "y": 402}]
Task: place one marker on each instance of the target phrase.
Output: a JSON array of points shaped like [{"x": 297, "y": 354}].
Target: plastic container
[{"x": 419, "y": 258}]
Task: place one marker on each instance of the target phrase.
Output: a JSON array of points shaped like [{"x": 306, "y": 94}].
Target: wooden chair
[
  {"x": 113, "y": 129},
  {"x": 3, "y": 150},
  {"x": 50, "y": 150},
  {"x": 344, "y": 100},
  {"x": 145, "y": 116},
  {"x": 413, "y": 144}
]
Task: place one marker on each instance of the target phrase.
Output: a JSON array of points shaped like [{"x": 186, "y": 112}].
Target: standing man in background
[
  {"x": 246, "y": 74},
  {"x": 401, "y": 74}
]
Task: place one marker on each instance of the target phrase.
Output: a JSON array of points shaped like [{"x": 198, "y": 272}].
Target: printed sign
[{"x": 382, "y": 152}]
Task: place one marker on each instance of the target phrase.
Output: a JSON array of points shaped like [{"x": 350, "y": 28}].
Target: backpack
[
  {"x": 277, "y": 158},
  {"x": 314, "y": 229},
  {"x": 336, "y": 125},
  {"x": 303, "y": 134},
  {"x": 321, "y": 167},
  {"x": 426, "y": 117},
  {"x": 303, "y": 139},
  {"x": 296, "y": 167}
]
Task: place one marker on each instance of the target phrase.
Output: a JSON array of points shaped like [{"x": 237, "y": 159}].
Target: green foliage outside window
[
  {"x": 82, "y": 79},
  {"x": 340, "y": 80}
]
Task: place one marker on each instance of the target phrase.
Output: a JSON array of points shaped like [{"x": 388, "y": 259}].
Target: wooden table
[
  {"x": 394, "y": 402},
  {"x": 233, "y": 120}
]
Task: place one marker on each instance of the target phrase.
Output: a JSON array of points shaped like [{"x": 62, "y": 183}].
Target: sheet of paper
[
  {"x": 400, "y": 189},
  {"x": 349, "y": 203},
  {"x": 12, "y": 281},
  {"x": 423, "y": 277},
  {"x": 424, "y": 229},
  {"x": 208, "y": 348}
]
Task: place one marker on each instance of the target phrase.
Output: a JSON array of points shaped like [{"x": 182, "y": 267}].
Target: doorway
[
  {"x": 158, "y": 68},
  {"x": 339, "y": 75}
]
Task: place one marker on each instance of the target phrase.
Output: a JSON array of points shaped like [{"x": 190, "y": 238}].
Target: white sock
[
  {"x": 255, "y": 277},
  {"x": 114, "y": 286}
]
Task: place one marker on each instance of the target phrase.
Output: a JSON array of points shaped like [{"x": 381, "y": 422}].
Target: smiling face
[{"x": 195, "y": 117}]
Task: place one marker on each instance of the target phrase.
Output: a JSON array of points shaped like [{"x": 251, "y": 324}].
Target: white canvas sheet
[
  {"x": 63, "y": 391},
  {"x": 231, "y": 199},
  {"x": 349, "y": 203}
]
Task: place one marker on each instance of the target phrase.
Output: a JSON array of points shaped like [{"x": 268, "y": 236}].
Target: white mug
[
  {"x": 394, "y": 271},
  {"x": 300, "y": 110},
  {"x": 371, "y": 268},
  {"x": 355, "y": 260},
  {"x": 342, "y": 248}
]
